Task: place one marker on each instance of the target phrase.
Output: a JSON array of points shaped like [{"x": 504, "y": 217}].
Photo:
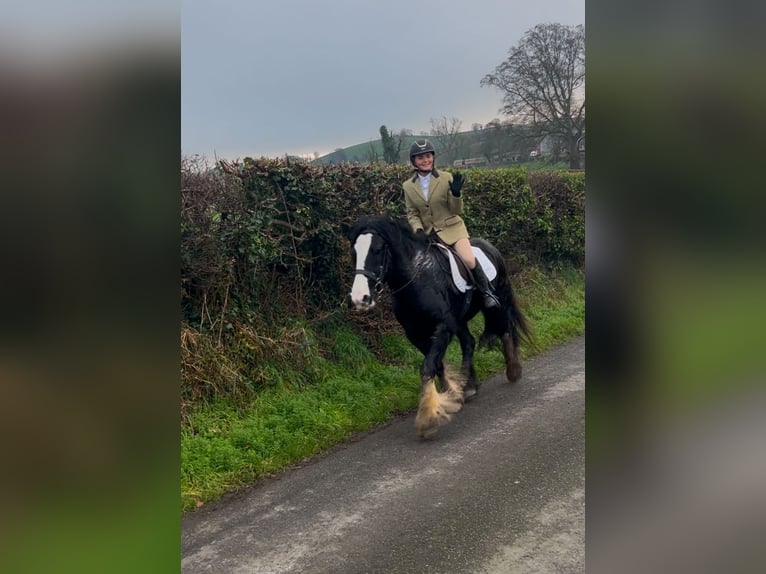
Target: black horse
[{"x": 432, "y": 309}]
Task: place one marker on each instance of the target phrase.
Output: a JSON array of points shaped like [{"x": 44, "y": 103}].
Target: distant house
[{"x": 470, "y": 162}]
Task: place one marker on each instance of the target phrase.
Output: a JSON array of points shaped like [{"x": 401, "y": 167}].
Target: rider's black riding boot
[{"x": 482, "y": 284}]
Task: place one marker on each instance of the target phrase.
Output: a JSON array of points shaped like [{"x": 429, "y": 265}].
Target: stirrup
[{"x": 490, "y": 299}]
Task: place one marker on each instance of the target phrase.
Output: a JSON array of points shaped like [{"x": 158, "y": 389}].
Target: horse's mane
[{"x": 395, "y": 231}]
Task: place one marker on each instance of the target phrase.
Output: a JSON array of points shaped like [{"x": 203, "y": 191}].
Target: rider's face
[{"x": 424, "y": 161}]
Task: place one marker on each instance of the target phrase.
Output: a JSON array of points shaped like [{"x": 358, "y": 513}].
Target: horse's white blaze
[{"x": 361, "y": 288}]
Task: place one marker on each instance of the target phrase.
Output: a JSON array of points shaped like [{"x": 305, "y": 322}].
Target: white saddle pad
[{"x": 481, "y": 259}]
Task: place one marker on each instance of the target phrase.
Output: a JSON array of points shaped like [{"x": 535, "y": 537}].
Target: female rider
[{"x": 434, "y": 204}]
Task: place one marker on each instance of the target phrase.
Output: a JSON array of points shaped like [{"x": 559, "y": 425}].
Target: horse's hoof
[{"x": 513, "y": 372}]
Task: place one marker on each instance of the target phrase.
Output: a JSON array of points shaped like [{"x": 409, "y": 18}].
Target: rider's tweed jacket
[{"x": 440, "y": 212}]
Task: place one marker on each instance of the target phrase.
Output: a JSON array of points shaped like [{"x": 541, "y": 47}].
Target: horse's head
[{"x": 372, "y": 257}]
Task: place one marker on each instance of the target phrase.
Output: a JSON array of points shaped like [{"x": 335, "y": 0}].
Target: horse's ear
[
  {"x": 351, "y": 230},
  {"x": 347, "y": 229}
]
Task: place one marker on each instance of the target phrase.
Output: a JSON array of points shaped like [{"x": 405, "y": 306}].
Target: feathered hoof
[
  {"x": 428, "y": 429},
  {"x": 435, "y": 409}
]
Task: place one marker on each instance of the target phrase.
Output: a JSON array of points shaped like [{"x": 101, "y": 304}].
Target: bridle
[{"x": 380, "y": 276}]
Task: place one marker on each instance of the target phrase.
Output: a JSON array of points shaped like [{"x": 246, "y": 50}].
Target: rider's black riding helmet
[{"x": 421, "y": 147}]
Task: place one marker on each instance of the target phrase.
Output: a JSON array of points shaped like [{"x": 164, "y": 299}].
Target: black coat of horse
[{"x": 432, "y": 310}]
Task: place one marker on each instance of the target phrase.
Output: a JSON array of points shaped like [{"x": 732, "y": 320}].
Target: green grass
[{"x": 228, "y": 443}]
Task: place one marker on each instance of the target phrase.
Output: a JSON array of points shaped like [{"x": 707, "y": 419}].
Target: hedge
[{"x": 264, "y": 241}]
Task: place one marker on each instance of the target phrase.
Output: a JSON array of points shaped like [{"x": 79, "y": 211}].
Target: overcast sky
[{"x": 305, "y": 76}]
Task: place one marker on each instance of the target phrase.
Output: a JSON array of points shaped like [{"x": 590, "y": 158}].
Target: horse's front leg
[
  {"x": 467, "y": 347},
  {"x": 434, "y": 355},
  {"x": 436, "y": 408}
]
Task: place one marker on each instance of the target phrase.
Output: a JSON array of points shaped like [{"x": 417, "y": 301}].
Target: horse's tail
[{"x": 517, "y": 323}]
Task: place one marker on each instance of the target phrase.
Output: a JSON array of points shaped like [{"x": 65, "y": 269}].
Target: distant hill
[{"x": 468, "y": 145}]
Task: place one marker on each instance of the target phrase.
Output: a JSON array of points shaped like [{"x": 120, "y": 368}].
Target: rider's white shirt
[{"x": 425, "y": 182}]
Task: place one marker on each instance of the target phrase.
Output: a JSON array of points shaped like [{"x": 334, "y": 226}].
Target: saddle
[{"x": 459, "y": 272}]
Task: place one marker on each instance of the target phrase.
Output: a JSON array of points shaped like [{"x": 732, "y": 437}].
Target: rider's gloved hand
[{"x": 457, "y": 183}]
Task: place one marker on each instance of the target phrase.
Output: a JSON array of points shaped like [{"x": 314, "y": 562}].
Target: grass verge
[{"x": 227, "y": 443}]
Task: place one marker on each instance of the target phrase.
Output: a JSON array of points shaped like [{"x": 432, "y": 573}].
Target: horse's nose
[{"x": 365, "y": 302}]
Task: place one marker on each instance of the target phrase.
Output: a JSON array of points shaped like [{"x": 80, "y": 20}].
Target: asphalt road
[{"x": 500, "y": 489}]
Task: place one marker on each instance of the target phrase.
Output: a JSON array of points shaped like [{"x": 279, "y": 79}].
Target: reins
[
  {"x": 414, "y": 274},
  {"x": 395, "y": 291}
]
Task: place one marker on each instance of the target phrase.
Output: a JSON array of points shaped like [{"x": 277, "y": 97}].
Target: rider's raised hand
[{"x": 457, "y": 183}]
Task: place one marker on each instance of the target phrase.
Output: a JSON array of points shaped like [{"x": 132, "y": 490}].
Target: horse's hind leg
[
  {"x": 501, "y": 323},
  {"x": 511, "y": 354},
  {"x": 467, "y": 347}
]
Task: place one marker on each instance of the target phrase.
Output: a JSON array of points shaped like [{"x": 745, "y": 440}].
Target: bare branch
[{"x": 542, "y": 81}]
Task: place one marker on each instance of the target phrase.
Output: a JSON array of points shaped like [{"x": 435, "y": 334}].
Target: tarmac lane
[{"x": 500, "y": 489}]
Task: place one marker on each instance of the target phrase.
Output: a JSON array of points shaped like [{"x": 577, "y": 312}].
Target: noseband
[{"x": 380, "y": 276}]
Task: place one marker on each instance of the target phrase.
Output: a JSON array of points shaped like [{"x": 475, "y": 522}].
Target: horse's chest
[{"x": 420, "y": 311}]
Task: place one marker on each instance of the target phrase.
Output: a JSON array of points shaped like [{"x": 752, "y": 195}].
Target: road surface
[{"x": 500, "y": 489}]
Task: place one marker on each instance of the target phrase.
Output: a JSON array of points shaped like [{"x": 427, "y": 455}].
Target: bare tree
[
  {"x": 504, "y": 142},
  {"x": 494, "y": 139},
  {"x": 543, "y": 82},
  {"x": 448, "y": 132}
]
